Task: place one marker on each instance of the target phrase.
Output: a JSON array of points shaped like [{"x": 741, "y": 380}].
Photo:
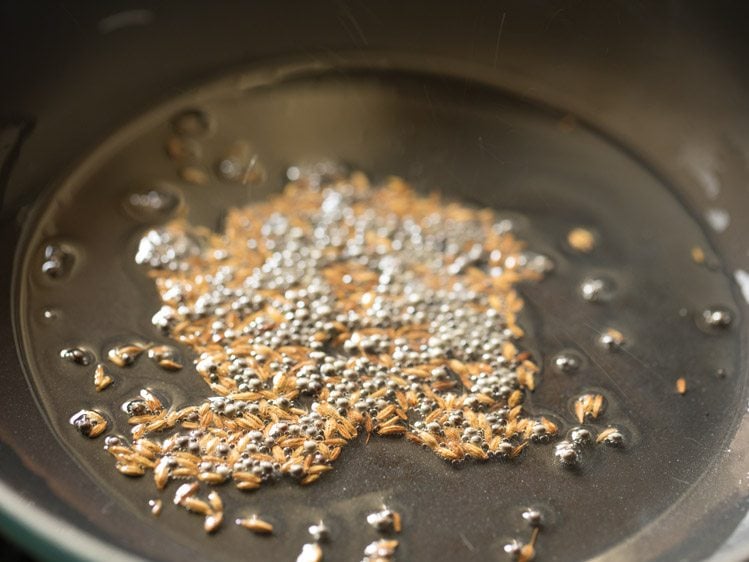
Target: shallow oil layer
[{"x": 543, "y": 169}]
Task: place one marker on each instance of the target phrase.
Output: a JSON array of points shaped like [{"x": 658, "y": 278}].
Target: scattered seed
[
  {"x": 213, "y": 521},
  {"x": 581, "y": 239},
  {"x": 101, "y": 379},
  {"x": 311, "y": 552},
  {"x": 527, "y": 553},
  {"x": 194, "y": 175},
  {"x": 133, "y": 470},
  {"x": 382, "y": 549},
  {"x": 165, "y": 357},
  {"x": 125, "y": 355},
  {"x": 196, "y": 506},
  {"x": 611, "y": 436},
  {"x": 385, "y": 521},
  {"x": 611, "y": 339},
  {"x": 256, "y": 525},
  {"x": 681, "y": 385},
  {"x": 185, "y": 491},
  {"x": 215, "y": 501}
]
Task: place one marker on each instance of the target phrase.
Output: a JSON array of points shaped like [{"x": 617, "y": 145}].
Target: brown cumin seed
[
  {"x": 681, "y": 385},
  {"x": 605, "y": 433},
  {"x": 581, "y": 239},
  {"x": 195, "y": 505},
  {"x": 397, "y": 523},
  {"x": 527, "y": 553},
  {"x": 255, "y": 524},
  {"x": 309, "y": 479},
  {"x": 101, "y": 379},
  {"x": 213, "y": 521},
  {"x": 169, "y": 365},
  {"x": 311, "y": 552},
  {"x": 134, "y": 470},
  {"x": 246, "y": 485},
  {"x": 185, "y": 491},
  {"x": 215, "y": 501}
]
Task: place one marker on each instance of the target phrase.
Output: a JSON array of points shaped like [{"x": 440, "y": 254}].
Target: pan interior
[{"x": 539, "y": 166}]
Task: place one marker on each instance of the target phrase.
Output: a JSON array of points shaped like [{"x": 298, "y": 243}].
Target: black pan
[{"x": 633, "y": 117}]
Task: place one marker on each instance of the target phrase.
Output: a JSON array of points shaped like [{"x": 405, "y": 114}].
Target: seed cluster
[{"x": 332, "y": 309}]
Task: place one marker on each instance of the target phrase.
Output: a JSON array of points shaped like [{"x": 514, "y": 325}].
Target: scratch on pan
[
  {"x": 702, "y": 164},
  {"x": 128, "y": 18}
]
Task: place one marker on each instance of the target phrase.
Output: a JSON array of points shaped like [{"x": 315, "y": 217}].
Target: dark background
[{"x": 9, "y": 552}]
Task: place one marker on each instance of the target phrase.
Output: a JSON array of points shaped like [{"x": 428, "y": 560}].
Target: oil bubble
[
  {"x": 165, "y": 356},
  {"x": 166, "y": 248},
  {"x": 567, "y": 362},
  {"x": 89, "y": 423},
  {"x": 612, "y": 437},
  {"x": 567, "y": 454},
  {"x": 152, "y": 205},
  {"x": 513, "y": 547},
  {"x": 145, "y": 403},
  {"x": 385, "y": 521},
  {"x": 51, "y": 314},
  {"x": 240, "y": 164},
  {"x": 58, "y": 260},
  {"x": 537, "y": 262},
  {"x": 317, "y": 174},
  {"x": 320, "y": 532},
  {"x": 715, "y": 318},
  {"x": 114, "y": 440},
  {"x": 597, "y": 289},
  {"x": 581, "y": 436},
  {"x": 125, "y": 355},
  {"x": 77, "y": 355},
  {"x": 533, "y": 517},
  {"x": 236, "y": 171},
  {"x": 611, "y": 339}
]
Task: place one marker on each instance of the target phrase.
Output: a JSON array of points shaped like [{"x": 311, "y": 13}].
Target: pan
[{"x": 625, "y": 117}]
